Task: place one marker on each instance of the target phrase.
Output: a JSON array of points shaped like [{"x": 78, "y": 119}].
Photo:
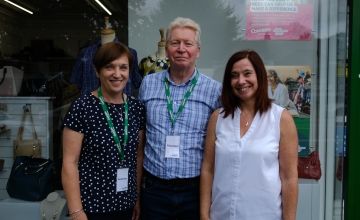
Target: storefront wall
[
  {"x": 314, "y": 48},
  {"x": 352, "y": 183}
]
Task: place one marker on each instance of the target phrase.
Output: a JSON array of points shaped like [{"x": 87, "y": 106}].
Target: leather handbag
[
  {"x": 30, "y": 147},
  {"x": 30, "y": 178},
  {"x": 309, "y": 167}
]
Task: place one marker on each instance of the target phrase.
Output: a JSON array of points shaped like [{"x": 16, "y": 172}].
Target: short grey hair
[{"x": 181, "y": 22}]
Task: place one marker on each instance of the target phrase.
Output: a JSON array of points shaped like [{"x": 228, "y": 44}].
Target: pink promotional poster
[{"x": 279, "y": 19}]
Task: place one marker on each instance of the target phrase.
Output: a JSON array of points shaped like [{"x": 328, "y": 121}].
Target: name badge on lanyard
[
  {"x": 172, "y": 149},
  {"x": 122, "y": 179}
]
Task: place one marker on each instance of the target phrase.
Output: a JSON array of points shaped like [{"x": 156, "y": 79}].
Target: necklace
[
  {"x": 245, "y": 119},
  {"x": 117, "y": 107}
]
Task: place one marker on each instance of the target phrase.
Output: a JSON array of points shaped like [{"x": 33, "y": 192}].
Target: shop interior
[{"x": 40, "y": 50}]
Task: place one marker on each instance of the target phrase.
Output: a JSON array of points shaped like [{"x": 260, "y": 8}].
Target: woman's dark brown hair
[
  {"x": 109, "y": 52},
  {"x": 229, "y": 101}
]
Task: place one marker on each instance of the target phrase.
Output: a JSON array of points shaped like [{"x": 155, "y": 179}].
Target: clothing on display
[
  {"x": 156, "y": 62},
  {"x": 10, "y": 80},
  {"x": 151, "y": 64},
  {"x": 84, "y": 76}
]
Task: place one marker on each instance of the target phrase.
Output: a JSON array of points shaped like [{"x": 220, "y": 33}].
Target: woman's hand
[{"x": 136, "y": 211}]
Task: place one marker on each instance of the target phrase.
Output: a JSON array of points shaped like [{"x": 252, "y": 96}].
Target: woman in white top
[{"x": 249, "y": 169}]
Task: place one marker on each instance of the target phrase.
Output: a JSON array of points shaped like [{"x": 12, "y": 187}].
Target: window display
[
  {"x": 157, "y": 61},
  {"x": 36, "y": 131},
  {"x": 10, "y": 80},
  {"x": 83, "y": 73}
]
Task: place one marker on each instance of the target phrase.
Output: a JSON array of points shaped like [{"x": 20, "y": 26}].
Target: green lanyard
[
  {"x": 111, "y": 125},
  {"x": 187, "y": 94}
]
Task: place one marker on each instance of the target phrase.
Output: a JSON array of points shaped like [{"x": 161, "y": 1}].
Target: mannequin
[
  {"x": 83, "y": 73},
  {"x": 107, "y": 34},
  {"x": 53, "y": 207},
  {"x": 158, "y": 61},
  {"x": 160, "y": 54}
]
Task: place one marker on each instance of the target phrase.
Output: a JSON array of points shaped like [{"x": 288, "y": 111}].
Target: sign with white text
[{"x": 279, "y": 19}]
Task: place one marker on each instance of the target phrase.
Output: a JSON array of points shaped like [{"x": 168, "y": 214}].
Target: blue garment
[
  {"x": 84, "y": 76},
  {"x": 191, "y": 124}
]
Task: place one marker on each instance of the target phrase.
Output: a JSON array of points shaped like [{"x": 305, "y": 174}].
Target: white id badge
[
  {"x": 172, "y": 149},
  {"x": 122, "y": 179}
]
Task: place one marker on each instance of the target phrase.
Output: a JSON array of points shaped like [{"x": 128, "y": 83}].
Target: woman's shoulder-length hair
[{"x": 229, "y": 101}]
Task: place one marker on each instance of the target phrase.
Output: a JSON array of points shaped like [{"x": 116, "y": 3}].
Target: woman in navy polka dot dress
[{"x": 103, "y": 141}]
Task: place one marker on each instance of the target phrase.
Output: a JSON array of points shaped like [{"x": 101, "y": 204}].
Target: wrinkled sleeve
[
  {"x": 136, "y": 78},
  {"x": 77, "y": 71}
]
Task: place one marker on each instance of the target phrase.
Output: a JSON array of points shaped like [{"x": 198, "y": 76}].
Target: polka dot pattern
[{"x": 99, "y": 157}]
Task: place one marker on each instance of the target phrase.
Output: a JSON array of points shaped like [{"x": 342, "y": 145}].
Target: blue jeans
[{"x": 161, "y": 200}]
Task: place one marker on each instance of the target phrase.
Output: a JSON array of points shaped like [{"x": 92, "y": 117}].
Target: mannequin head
[
  {"x": 162, "y": 42},
  {"x": 107, "y": 34},
  {"x": 161, "y": 45}
]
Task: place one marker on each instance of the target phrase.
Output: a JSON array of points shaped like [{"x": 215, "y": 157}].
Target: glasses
[{"x": 177, "y": 43}]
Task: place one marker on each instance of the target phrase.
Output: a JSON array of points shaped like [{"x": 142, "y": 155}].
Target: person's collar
[{"x": 167, "y": 76}]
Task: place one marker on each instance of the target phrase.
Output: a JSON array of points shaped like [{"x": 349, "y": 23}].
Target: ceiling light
[
  {"x": 18, "y": 6},
  {"x": 103, "y": 7}
]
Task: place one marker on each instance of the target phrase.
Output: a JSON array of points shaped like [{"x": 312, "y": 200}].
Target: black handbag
[{"x": 30, "y": 178}]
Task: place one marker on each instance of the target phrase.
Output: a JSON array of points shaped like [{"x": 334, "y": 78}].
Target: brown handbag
[
  {"x": 309, "y": 167},
  {"x": 30, "y": 147}
]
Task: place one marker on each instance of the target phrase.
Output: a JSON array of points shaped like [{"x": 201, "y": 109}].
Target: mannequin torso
[
  {"x": 160, "y": 54},
  {"x": 107, "y": 36}
]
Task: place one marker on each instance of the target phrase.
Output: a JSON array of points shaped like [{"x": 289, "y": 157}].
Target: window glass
[{"x": 45, "y": 61}]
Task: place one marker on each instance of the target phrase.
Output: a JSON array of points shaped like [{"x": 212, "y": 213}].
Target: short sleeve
[
  {"x": 142, "y": 89},
  {"x": 74, "y": 119}
]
